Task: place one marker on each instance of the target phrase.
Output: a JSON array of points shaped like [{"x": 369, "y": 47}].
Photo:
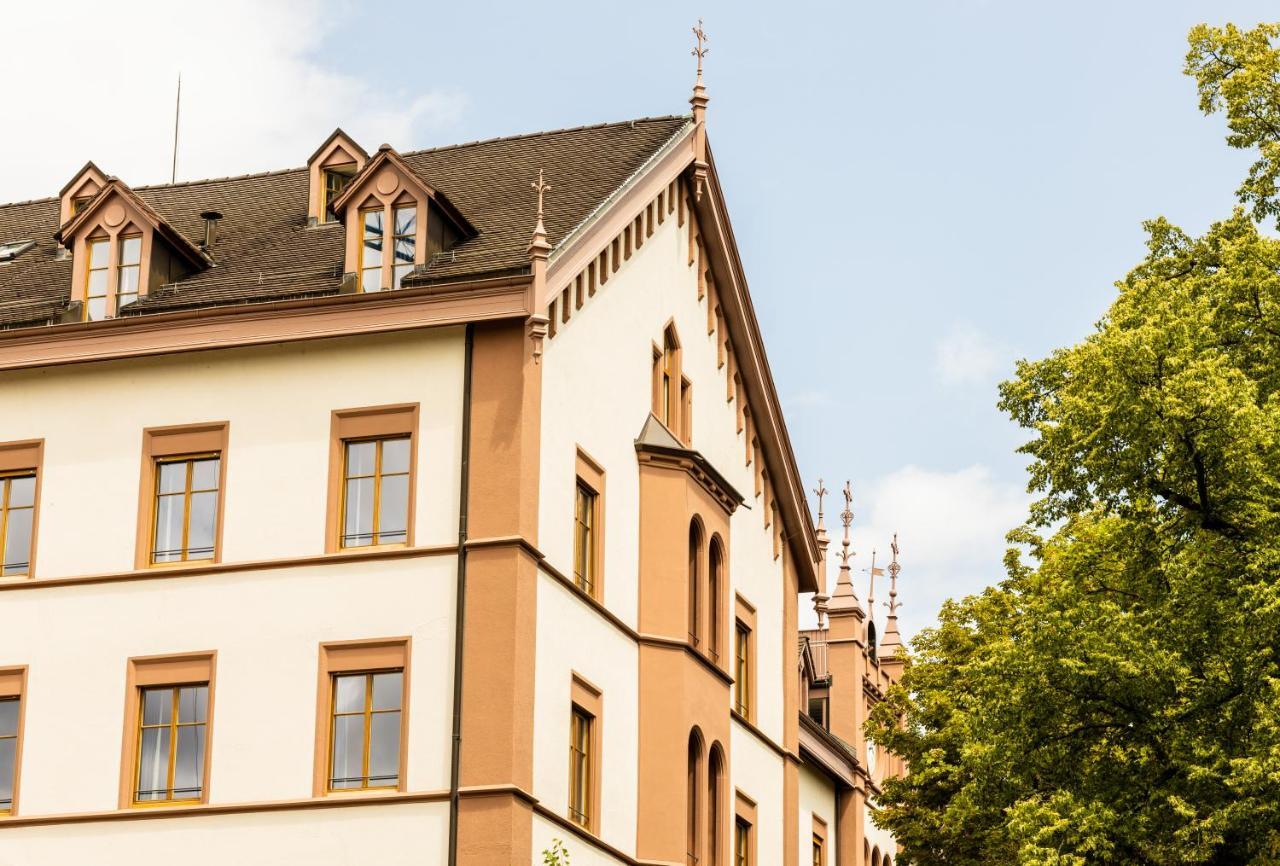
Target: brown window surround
[
  {"x": 686, "y": 410},
  {"x": 744, "y": 659},
  {"x": 159, "y": 444},
  {"x": 350, "y": 657},
  {"x": 13, "y": 688},
  {"x": 367, "y": 423},
  {"x": 19, "y": 460},
  {"x": 587, "y": 707},
  {"x": 588, "y": 563},
  {"x": 744, "y": 830},
  {"x": 819, "y": 841},
  {"x": 197, "y": 668}
]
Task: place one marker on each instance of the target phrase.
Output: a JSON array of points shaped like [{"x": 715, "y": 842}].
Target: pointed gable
[
  {"x": 329, "y": 170},
  {"x": 79, "y": 191}
]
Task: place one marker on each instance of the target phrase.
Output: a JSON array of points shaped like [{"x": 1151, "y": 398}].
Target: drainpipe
[{"x": 459, "y": 603}]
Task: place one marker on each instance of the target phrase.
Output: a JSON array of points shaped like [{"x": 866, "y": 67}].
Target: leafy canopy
[{"x": 1116, "y": 700}]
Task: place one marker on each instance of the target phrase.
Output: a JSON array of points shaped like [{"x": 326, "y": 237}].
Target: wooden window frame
[
  {"x": 22, "y": 458},
  {"x": 120, "y": 269},
  {"x": 89, "y": 269},
  {"x": 819, "y": 841},
  {"x": 686, "y": 411},
  {"x": 159, "y": 671},
  {"x": 13, "y": 685},
  {"x": 364, "y": 423},
  {"x": 587, "y": 699},
  {"x": 744, "y": 621},
  {"x": 744, "y": 816},
  {"x": 352, "y": 657},
  {"x": 160, "y": 444},
  {"x": 340, "y": 170},
  {"x": 590, "y": 474}
]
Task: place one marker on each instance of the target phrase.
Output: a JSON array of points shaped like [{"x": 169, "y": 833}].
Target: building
[{"x": 389, "y": 510}]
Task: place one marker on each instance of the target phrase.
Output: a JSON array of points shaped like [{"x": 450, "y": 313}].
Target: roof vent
[
  {"x": 10, "y": 251},
  {"x": 210, "y": 218}
]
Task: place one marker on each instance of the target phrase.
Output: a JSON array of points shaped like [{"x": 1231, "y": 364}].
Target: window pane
[
  {"x": 395, "y": 456},
  {"x": 348, "y": 751},
  {"x": 153, "y": 764},
  {"x": 204, "y": 474},
  {"x": 168, "y": 541},
  {"x": 98, "y": 254},
  {"x": 360, "y": 458},
  {"x": 387, "y": 690},
  {"x": 384, "y": 749},
  {"x": 17, "y": 542},
  {"x": 406, "y": 220},
  {"x": 128, "y": 281},
  {"x": 97, "y": 286},
  {"x": 349, "y": 694},
  {"x": 393, "y": 510},
  {"x": 96, "y": 309},
  {"x": 173, "y": 477},
  {"x": 9, "y": 718},
  {"x": 358, "y": 526},
  {"x": 399, "y": 273},
  {"x": 204, "y": 524},
  {"x": 193, "y": 703},
  {"x": 188, "y": 767},
  {"x": 371, "y": 280},
  {"x": 124, "y": 300},
  {"x": 404, "y": 251},
  {"x": 157, "y": 706},
  {"x": 130, "y": 251},
  {"x": 8, "y": 755},
  {"x": 372, "y": 252},
  {"x": 22, "y": 491},
  {"x": 373, "y": 223}
]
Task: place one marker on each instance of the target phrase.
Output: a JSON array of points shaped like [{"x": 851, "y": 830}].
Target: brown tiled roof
[{"x": 264, "y": 250}]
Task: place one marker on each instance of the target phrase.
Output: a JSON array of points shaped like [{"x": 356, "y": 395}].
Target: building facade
[{"x": 389, "y": 510}]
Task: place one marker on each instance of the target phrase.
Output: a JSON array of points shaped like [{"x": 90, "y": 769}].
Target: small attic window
[
  {"x": 10, "y": 251},
  {"x": 336, "y": 178},
  {"x": 78, "y": 203}
]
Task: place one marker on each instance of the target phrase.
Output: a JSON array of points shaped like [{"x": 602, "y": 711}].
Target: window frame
[
  {"x": 120, "y": 269},
  {"x": 744, "y": 656},
  {"x": 363, "y": 424},
  {"x": 165, "y": 444},
  {"x": 587, "y": 700},
  {"x": 819, "y": 841},
  {"x": 189, "y": 461},
  {"x": 13, "y": 686},
  {"x": 17, "y": 459},
  {"x": 744, "y": 830},
  {"x": 590, "y": 475},
  {"x": 174, "y": 724},
  {"x": 338, "y": 658},
  {"x": 89, "y": 270},
  {"x": 172, "y": 670},
  {"x": 327, "y": 214}
]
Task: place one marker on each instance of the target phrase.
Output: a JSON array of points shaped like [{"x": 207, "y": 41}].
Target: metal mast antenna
[{"x": 177, "y": 111}]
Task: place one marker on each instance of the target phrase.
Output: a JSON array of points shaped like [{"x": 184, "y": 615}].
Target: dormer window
[
  {"x": 78, "y": 203},
  {"x": 329, "y": 170},
  {"x": 96, "y": 282},
  {"x": 98, "y": 292},
  {"x": 336, "y": 179}
]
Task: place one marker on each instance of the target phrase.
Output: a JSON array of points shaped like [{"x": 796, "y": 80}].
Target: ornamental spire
[
  {"x": 820, "y": 598},
  {"x": 699, "y": 102},
  {"x": 845, "y": 599},
  {"x": 539, "y": 250},
  {"x": 892, "y": 643}
]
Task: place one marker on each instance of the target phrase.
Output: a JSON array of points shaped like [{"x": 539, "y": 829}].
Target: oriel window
[
  {"x": 406, "y": 239},
  {"x": 186, "y": 508},
  {"x": 17, "y": 516},
  {"x": 365, "y": 731},
  {"x": 376, "y": 492},
  {"x": 581, "y": 731},
  {"x": 172, "y": 738},
  {"x": 584, "y": 539},
  {"x": 9, "y": 715},
  {"x": 371, "y": 249}
]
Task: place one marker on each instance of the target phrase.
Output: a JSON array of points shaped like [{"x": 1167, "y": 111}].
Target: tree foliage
[{"x": 1116, "y": 699}]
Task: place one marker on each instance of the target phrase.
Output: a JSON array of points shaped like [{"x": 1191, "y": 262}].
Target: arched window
[
  {"x": 694, "y": 802},
  {"x": 715, "y": 572},
  {"x": 715, "y": 805},
  {"x": 695, "y": 582},
  {"x": 875, "y": 857}
]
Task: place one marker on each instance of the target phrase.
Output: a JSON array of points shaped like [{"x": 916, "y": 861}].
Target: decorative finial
[
  {"x": 539, "y": 251},
  {"x": 541, "y": 187},
  {"x": 820, "y": 598},
  {"x": 846, "y": 517},
  {"x": 820, "y": 491},
  {"x": 699, "y": 100},
  {"x": 894, "y": 568},
  {"x": 871, "y": 588},
  {"x": 700, "y": 51},
  {"x": 892, "y": 643}
]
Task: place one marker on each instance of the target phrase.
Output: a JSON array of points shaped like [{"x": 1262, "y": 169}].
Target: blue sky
[{"x": 922, "y": 191}]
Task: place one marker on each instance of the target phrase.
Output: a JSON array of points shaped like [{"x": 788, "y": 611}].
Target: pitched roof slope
[{"x": 264, "y": 250}]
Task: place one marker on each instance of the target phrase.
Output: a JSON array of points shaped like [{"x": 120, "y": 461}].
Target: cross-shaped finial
[
  {"x": 820, "y": 492},
  {"x": 541, "y": 188},
  {"x": 894, "y": 568},
  {"x": 846, "y": 516},
  {"x": 701, "y": 50}
]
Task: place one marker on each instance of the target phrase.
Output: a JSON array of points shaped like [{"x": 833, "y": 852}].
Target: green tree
[{"x": 1116, "y": 699}]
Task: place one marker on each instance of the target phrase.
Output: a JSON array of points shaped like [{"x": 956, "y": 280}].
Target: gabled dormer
[
  {"x": 81, "y": 189},
  {"x": 329, "y": 170},
  {"x": 395, "y": 221},
  {"x": 121, "y": 248}
]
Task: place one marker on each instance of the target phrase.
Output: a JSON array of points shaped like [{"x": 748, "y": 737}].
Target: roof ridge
[{"x": 439, "y": 149}]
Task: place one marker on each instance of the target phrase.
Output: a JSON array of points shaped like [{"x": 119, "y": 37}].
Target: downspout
[{"x": 459, "y": 602}]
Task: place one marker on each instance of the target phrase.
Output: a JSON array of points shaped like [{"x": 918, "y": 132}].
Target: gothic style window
[
  {"x": 375, "y": 504},
  {"x": 405, "y": 242},
  {"x": 186, "y": 508},
  {"x": 17, "y": 516},
  {"x": 695, "y": 584},
  {"x": 129, "y": 271},
  {"x": 715, "y": 806},
  {"x": 371, "y": 250},
  {"x": 172, "y": 731},
  {"x": 97, "y": 260},
  {"x": 693, "y": 803},
  {"x": 714, "y": 584},
  {"x": 365, "y": 730}
]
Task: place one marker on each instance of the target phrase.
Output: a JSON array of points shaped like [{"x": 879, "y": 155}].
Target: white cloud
[
  {"x": 951, "y": 528},
  {"x": 966, "y": 356},
  {"x": 257, "y": 91}
]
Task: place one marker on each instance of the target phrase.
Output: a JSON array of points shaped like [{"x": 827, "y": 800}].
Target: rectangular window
[
  {"x": 375, "y": 480},
  {"x": 180, "y": 515},
  {"x": 97, "y": 278},
  {"x": 17, "y": 522},
  {"x": 742, "y": 670},
  {"x": 818, "y": 709},
  {"x": 372, "y": 461},
  {"x": 371, "y": 250},
  {"x": 360, "y": 732},
  {"x": 580, "y": 766},
  {"x": 172, "y": 739},
  {"x": 335, "y": 181},
  {"x": 819, "y": 842},
  {"x": 741, "y": 843},
  {"x": 186, "y": 508},
  {"x": 129, "y": 271},
  {"x": 168, "y": 723},
  {"x": 406, "y": 240},
  {"x": 12, "y": 681},
  {"x": 584, "y": 542},
  {"x": 366, "y": 730}
]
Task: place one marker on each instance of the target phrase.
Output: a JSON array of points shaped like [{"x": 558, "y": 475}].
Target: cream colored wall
[
  {"x": 266, "y": 627},
  {"x": 574, "y": 639},
  {"x": 407, "y": 834},
  {"x": 758, "y": 772},
  {"x": 278, "y": 401},
  {"x": 878, "y": 837},
  {"x": 545, "y": 833},
  {"x": 817, "y": 797}
]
